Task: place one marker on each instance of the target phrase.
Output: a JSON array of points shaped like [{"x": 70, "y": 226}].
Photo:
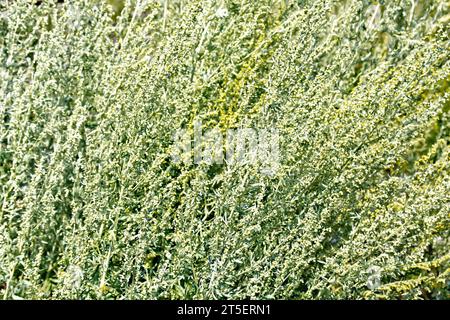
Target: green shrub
[{"x": 93, "y": 207}]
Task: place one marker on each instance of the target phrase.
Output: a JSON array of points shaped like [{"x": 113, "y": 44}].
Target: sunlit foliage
[{"x": 91, "y": 205}]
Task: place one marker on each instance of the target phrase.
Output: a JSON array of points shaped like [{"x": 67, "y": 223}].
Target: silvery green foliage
[{"x": 91, "y": 205}]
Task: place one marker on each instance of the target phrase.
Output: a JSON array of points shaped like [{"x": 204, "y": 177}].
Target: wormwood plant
[{"x": 93, "y": 207}]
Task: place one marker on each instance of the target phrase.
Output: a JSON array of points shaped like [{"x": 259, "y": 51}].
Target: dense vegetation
[{"x": 92, "y": 206}]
